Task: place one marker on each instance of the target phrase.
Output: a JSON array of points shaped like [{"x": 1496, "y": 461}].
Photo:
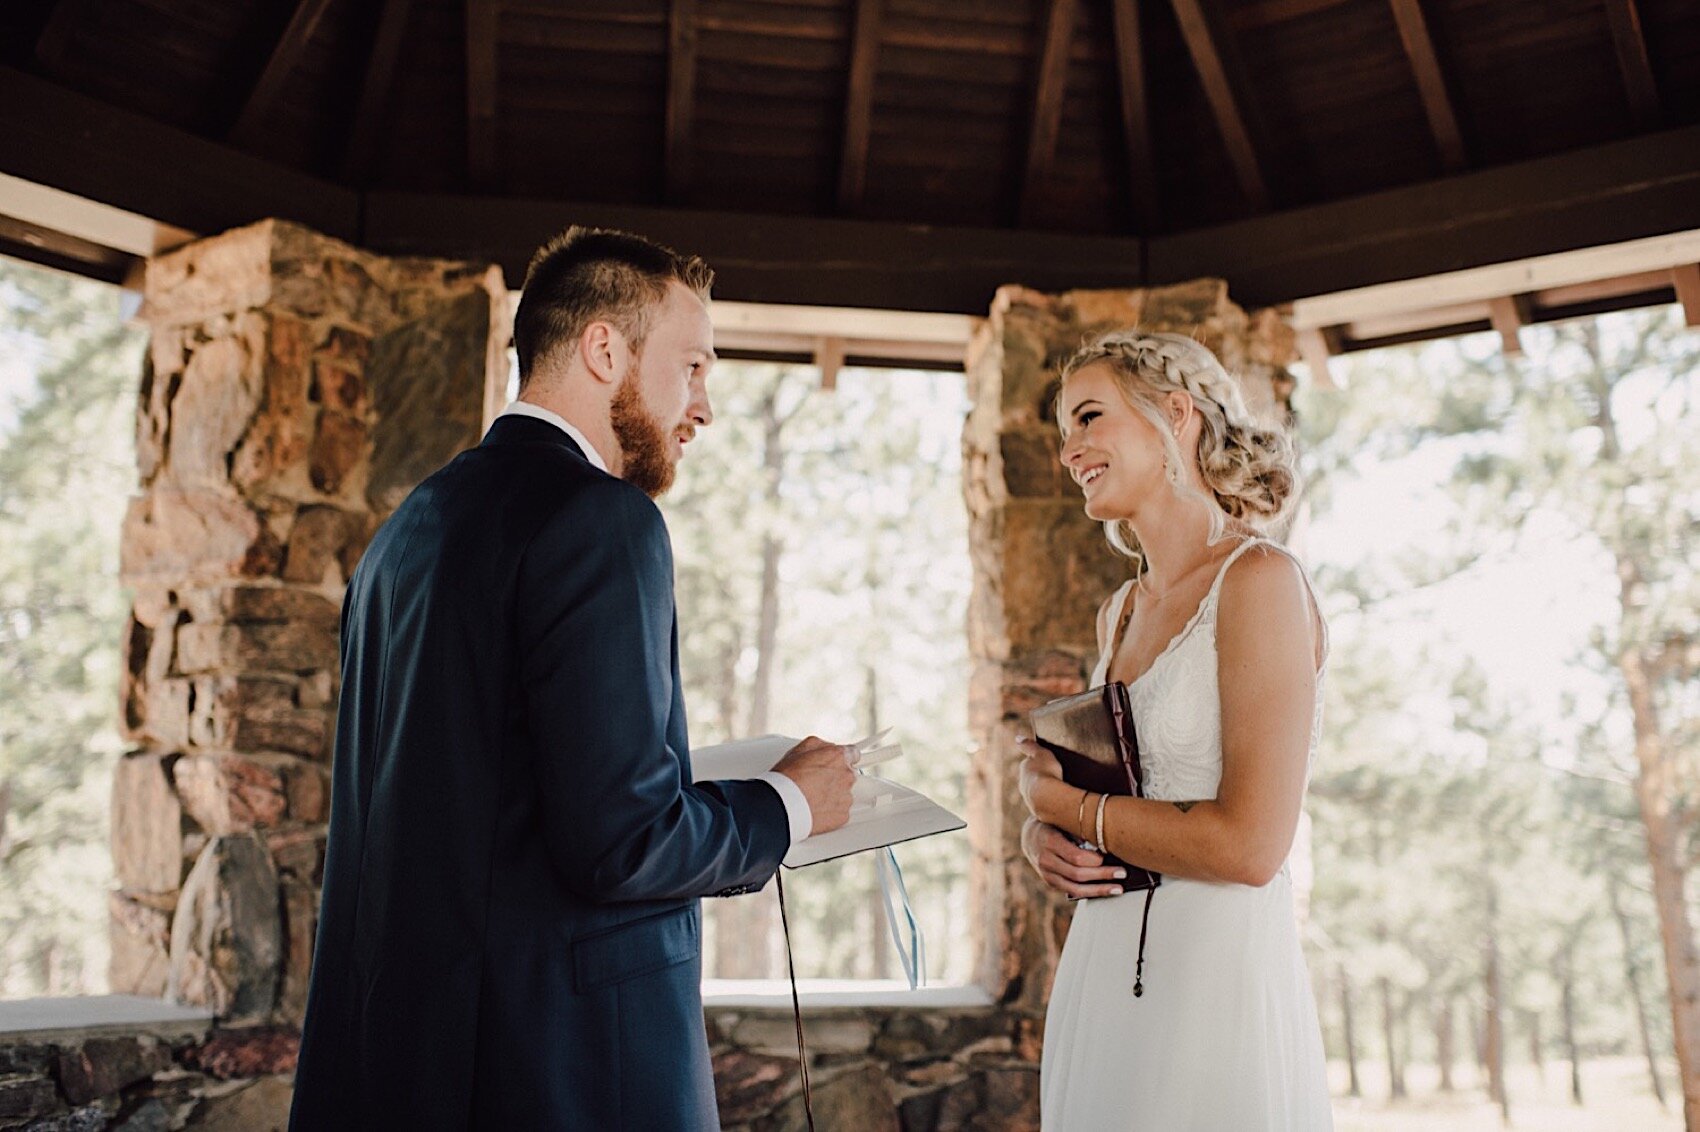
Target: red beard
[{"x": 644, "y": 444}]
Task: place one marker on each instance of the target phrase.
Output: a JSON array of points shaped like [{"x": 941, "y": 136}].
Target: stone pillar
[
  {"x": 295, "y": 389},
  {"x": 1041, "y": 568}
]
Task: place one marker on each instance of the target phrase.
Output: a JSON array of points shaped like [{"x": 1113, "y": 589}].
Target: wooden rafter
[
  {"x": 1509, "y": 314},
  {"x": 1431, "y": 83},
  {"x": 1314, "y": 349},
  {"x": 859, "y": 105},
  {"x": 370, "y": 111},
  {"x": 1686, "y": 281},
  {"x": 283, "y": 61},
  {"x": 481, "y": 92},
  {"x": 1136, "y": 112},
  {"x": 1631, "y": 43},
  {"x": 681, "y": 84},
  {"x": 1048, "y": 94},
  {"x": 1230, "y": 119},
  {"x": 57, "y": 30}
]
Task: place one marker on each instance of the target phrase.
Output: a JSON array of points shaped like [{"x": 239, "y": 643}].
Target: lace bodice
[{"x": 1177, "y": 705}]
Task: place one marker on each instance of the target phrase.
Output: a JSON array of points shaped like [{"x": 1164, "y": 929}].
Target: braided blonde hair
[{"x": 1248, "y": 470}]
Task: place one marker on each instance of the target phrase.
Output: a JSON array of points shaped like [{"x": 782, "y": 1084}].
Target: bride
[{"x": 1222, "y": 646}]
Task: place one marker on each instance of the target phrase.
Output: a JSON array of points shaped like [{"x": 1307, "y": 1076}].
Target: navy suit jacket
[{"x": 509, "y": 936}]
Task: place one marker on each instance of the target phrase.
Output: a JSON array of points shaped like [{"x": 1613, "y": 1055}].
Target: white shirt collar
[{"x": 538, "y": 412}]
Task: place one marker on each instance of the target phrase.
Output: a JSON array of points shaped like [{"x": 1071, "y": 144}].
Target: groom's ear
[{"x": 605, "y": 353}]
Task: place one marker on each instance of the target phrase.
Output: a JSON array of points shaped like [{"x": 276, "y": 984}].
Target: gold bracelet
[
  {"x": 1102, "y": 798},
  {"x": 1080, "y": 814}
]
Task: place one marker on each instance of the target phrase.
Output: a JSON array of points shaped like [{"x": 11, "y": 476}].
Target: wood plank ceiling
[{"x": 1125, "y": 118}]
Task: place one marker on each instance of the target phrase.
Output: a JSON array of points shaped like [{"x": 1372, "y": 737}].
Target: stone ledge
[
  {"x": 67, "y": 1021},
  {"x": 839, "y": 994}
]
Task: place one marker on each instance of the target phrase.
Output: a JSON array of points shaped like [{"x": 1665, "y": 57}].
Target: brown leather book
[{"x": 1093, "y": 737}]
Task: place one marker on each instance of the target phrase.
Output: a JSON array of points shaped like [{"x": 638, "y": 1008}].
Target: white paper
[{"x": 882, "y": 812}]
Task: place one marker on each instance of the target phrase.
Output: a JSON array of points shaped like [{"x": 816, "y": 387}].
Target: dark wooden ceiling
[{"x": 1138, "y": 120}]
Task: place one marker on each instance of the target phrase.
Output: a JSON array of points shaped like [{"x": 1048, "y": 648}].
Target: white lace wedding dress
[{"x": 1225, "y": 1037}]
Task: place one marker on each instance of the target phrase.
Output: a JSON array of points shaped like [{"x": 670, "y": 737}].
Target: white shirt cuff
[{"x": 796, "y": 806}]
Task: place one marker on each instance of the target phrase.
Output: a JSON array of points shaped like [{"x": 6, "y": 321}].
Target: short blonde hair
[
  {"x": 587, "y": 274},
  {"x": 1249, "y": 470}
]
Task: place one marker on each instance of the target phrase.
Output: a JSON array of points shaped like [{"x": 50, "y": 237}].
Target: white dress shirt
[{"x": 797, "y": 811}]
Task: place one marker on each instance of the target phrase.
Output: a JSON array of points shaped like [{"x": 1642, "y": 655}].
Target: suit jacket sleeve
[{"x": 597, "y": 640}]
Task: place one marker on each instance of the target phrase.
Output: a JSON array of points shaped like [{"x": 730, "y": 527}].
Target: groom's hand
[{"x": 825, "y": 773}]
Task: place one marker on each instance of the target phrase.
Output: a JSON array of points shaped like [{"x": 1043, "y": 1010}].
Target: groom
[{"x": 510, "y": 935}]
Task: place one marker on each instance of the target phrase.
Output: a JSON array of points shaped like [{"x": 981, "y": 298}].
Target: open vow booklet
[{"x": 882, "y": 812}]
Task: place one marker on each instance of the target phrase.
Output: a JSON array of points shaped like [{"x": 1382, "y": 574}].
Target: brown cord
[{"x": 796, "y": 1006}]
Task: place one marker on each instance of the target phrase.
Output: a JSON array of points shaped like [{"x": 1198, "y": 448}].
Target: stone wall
[
  {"x": 1041, "y": 568},
  {"x": 295, "y": 389},
  {"x": 148, "y": 1078},
  {"x": 874, "y": 1069}
]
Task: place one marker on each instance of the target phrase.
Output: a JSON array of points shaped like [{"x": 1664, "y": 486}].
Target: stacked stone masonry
[
  {"x": 295, "y": 390},
  {"x": 225, "y": 1081}
]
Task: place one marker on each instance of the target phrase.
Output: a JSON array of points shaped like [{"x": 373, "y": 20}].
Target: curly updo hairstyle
[{"x": 1248, "y": 470}]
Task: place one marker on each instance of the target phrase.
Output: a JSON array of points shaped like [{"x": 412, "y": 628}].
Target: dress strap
[
  {"x": 1222, "y": 572},
  {"x": 1315, "y": 606}
]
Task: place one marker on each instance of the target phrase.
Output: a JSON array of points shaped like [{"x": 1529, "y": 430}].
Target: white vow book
[{"x": 882, "y": 812}]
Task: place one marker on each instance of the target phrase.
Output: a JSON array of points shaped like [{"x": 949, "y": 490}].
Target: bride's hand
[
  {"x": 1066, "y": 867},
  {"x": 1038, "y": 763}
]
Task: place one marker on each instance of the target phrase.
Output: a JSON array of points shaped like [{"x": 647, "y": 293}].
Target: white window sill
[
  {"x": 843, "y": 994},
  {"x": 64, "y": 1021}
]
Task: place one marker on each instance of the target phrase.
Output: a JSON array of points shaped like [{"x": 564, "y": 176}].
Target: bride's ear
[{"x": 1179, "y": 410}]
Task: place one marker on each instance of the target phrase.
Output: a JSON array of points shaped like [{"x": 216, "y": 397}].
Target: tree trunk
[
  {"x": 728, "y": 698},
  {"x": 1443, "y": 1052},
  {"x": 1656, "y": 789},
  {"x": 1478, "y": 1042},
  {"x": 1395, "y": 1071},
  {"x": 1537, "y": 1055},
  {"x": 879, "y": 950},
  {"x": 1354, "y": 1087},
  {"x": 752, "y": 947},
  {"x": 1567, "y": 1014},
  {"x": 1494, "y": 1029},
  {"x": 1632, "y": 976},
  {"x": 767, "y": 634}
]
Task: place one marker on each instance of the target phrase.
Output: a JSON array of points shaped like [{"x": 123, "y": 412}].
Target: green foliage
[{"x": 68, "y": 375}]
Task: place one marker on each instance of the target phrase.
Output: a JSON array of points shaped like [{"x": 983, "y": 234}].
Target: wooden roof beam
[
  {"x": 1686, "y": 280},
  {"x": 1315, "y": 349},
  {"x": 859, "y": 105},
  {"x": 1230, "y": 119},
  {"x": 1631, "y": 43},
  {"x": 1431, "y": 84},
  {"x": 481, "y": 18},
  {"x": 1509, "y": 314},
  {"x": 283, "y": 61},
  {"x": 371, "y": 110},
  {"x": 1048, "y": 92},
  {"x": 681, "y": 85},
  {"x": 57, "y": 30},
  {"x": 1136, "y": 113}
]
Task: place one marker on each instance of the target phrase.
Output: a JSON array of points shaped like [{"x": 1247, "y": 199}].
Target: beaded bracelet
[{"x": 1102, "y": 798}]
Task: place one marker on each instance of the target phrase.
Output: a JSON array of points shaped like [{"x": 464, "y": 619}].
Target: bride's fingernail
[
  {"x": 1121, "y": 874},
  {"x": 1115, "y": 890}
]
